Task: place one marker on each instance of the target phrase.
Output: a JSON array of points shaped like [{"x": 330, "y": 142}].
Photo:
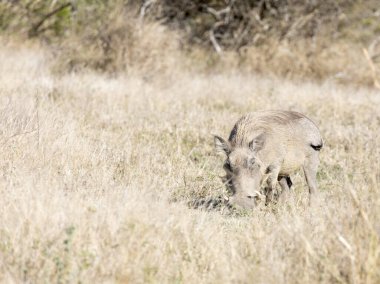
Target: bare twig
[
  {"x": 260, "y": 13},
  {"x": 218, "y": 14},
  {"x": 35, "y": 29},
  {"x": 213, "y": 40},
  {"x": 372, "y": 66},
  {"x": 144, "y": 7},
  {"x": 298, "y": 24}
]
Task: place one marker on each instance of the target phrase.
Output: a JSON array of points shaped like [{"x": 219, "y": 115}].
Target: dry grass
[{"x": 96, "y": 174}]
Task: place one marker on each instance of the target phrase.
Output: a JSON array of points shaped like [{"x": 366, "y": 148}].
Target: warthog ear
[
  {"x": 257, "y": 143},
  {"x": 221, "y": 145}
]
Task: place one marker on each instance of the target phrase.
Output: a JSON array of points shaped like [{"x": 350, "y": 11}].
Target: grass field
[{"x": 97, "y": 173}]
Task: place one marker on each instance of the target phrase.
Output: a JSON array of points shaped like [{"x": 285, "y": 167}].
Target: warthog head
[{"x": 243, "y": 171}]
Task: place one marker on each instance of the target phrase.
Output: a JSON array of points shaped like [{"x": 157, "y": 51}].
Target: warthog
[{"x": 267, "y": 146}]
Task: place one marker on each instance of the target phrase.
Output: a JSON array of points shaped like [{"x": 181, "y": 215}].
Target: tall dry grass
[{"x": 97, "y": 173}]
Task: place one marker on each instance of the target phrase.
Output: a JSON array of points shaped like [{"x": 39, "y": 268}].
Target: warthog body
[{"x": 269, "y": 146}]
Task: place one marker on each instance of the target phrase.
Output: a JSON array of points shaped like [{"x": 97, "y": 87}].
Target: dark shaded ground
[{"x": 211, "y": 204}]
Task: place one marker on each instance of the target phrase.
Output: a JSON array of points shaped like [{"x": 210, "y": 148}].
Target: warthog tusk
[{"x": 259, "y": 194}]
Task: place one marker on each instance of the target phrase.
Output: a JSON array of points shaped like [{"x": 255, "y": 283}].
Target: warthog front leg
[
  {"x": 272, "y": 183},
  {"x": 310, "y": 169}
]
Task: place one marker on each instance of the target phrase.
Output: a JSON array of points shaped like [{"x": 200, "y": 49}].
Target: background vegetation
[
  {"x": 107, "y": 165},
  {"x": 335, "y": 40}
]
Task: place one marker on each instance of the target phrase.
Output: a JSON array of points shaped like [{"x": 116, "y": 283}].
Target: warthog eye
[{"x": 251, "y": 162}]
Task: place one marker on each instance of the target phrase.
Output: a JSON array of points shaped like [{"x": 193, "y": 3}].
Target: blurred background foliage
[{"x": 253, "y": 35}]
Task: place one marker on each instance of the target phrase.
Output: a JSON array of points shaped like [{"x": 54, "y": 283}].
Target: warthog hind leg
[{"x": 285, "y": 183}]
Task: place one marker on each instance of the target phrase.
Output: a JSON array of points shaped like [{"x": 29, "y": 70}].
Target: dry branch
[
  {"x": 35, "y": 29},
  {"x": 372, "y": 66}
]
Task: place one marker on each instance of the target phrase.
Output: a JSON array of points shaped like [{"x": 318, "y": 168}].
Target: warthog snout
[
  {"x": 246, "y": 201},
  {"x": 243, "y": 172}
]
